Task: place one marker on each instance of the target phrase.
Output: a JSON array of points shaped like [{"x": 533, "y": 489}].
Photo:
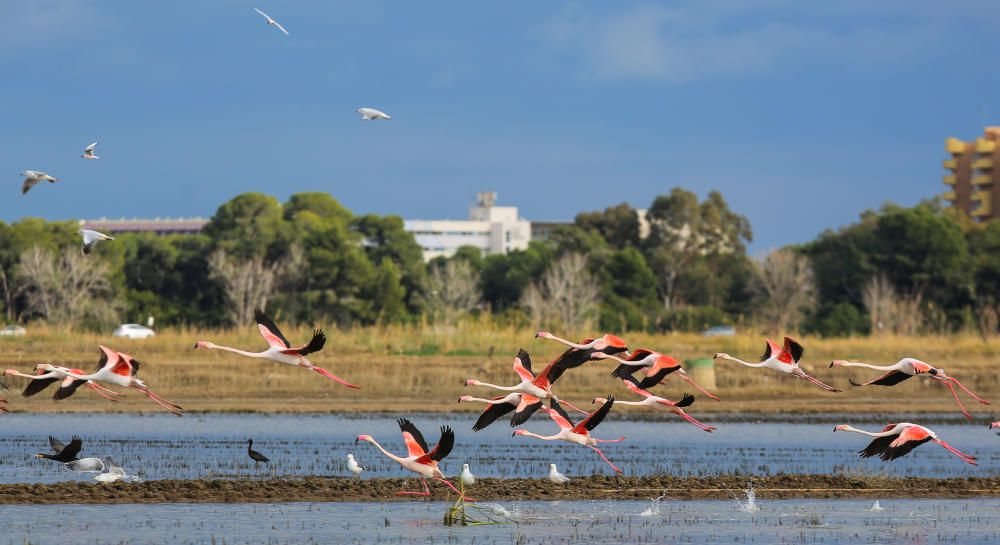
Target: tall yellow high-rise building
[{"x": 973, "y": 175}]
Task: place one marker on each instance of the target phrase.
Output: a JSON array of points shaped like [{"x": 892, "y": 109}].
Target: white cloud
[{"x": 708, "y": 38}]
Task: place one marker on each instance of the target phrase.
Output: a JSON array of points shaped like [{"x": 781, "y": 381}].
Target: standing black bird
[
  {"x": 256, "y": 456},
  {"x": 63, "y": 453}
]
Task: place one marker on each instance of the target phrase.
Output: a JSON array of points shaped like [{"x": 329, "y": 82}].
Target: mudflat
[{"x": 343, "y": 489}]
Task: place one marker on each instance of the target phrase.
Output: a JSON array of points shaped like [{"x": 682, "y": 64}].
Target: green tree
[
  {"x": 683, "y": 231},
  {"x": 618, "y": 225},
  {"x": 388, "y": 294},
  {"x": 248, "y": 226},
  {"x": 505, "y": 276},
  {"x": 385, "y": 238}
]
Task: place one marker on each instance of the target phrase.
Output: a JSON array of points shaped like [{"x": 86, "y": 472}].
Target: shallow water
[
  {"x": 694, "y": 522},
  {"x": 213, "y": 446}
]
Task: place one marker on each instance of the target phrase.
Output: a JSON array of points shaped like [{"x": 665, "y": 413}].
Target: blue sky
[{"x": 803, "y": 114}]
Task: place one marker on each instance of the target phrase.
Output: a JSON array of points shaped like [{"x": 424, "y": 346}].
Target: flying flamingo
[
  {"x": 656, "y": 365},
  {"x": 119, "y": 369},
  {"x": 896, "y": 440},
  {"x": 67, "y": 387},
  {"x": 281, "y": 350},
  {"x": 501, "y": 405},
  {"x": 584, "y": 351},
  {"x": 420, "y": 460},
  {"x": 906, "y": 368},
  {"x": 577, "y": 433},
  {"x": 781, "y": 358},
  {"x": 532, "y": 390},
  {"x": 658, "y": 402}
]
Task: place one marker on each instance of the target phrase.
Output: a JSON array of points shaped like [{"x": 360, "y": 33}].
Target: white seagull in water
[
  {"x": 369, "y": 114},
  {"x": 555, "y": 476},
  {"x": 353, "y": 467},
  {"x": 468, "y": 479},
  {"x": 88, "y": 153},
  {"x": 32, "y": 177},
  {"x": 271, "y": 21},
  {"x": 91, "y": 238}
]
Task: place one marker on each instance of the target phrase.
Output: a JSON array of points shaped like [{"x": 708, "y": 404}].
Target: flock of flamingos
[{"x": 639, "y": 370}]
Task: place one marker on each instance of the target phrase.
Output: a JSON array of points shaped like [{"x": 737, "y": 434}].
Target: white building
[{"x": 492, "y": 229}]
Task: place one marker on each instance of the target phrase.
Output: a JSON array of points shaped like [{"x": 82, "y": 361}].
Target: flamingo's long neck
[
  {"x": 741, "y": 362},
  {"x": 50, "y": 374},
  {"x": 555, "y": 437},
  {"x": 489, "y": 401},
  {"x": 238, "y": 351},
  {"x": 92, "y": 376},
  {"x": 870, "y": 366},
  {"x": 495, "y": 387},
  {"x": 388, "y": 454},
  {"x": 870, "y": 433},
  {"x": 569, "y": 343},
  {"x": 639, "y": 363}
]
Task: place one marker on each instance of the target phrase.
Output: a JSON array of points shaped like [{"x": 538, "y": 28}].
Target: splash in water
[
  {"x": 750, "y": 506},
  {"x": 877, "y": 507},
  {"x": 653, "y": 509},
  {"x": 497, "y": 508}
]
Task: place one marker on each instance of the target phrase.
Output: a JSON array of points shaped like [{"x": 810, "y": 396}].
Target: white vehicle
[
  {"x": 719, "y": 331},
  {"x": 13, "y": 331},
  {"x": 134, "y": 331}
]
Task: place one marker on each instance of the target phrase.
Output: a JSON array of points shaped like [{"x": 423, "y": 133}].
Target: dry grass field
[{"x": 424, "y": 368}]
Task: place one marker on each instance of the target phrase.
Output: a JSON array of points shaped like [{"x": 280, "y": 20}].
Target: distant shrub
[{"x": 692, "y": 319}]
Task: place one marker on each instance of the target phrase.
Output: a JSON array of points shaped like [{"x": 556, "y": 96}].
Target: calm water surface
[
  {"x": 213, "y": 446},
  {"x": 967, "y": 522}
]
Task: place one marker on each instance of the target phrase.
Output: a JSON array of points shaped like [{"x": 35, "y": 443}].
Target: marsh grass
[{"x": 424, "y": 367}]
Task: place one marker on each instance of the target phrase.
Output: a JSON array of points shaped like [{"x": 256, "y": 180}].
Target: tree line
[{"x": 680, "y": 265}]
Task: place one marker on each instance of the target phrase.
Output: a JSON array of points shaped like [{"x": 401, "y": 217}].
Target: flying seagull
[
  {"x": 271, "y": 21},
  {"x": 32, "y": 177},
  {"x": 90, "y": 238},
  {"x": 88, "y": 153},
  {"x": 113, "y": 474},
  {"x": 369, "y": 114}
]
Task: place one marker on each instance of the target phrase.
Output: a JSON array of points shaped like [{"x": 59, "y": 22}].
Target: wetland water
[
  {"x": 213, "y": 446},
  {"x": 694, "y": 522}
]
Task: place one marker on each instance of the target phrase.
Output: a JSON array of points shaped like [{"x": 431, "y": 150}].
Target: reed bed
[{"x": 424, "y": 368}]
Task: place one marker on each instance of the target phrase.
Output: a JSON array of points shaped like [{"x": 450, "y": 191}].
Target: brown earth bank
[{"x": 340, "y": 489}]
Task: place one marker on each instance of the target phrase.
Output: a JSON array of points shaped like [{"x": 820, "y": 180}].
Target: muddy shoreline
[{"x": 340, "y": 489}]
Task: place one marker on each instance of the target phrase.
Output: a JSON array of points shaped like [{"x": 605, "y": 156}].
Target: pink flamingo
[
  {"x": 657, "y": 402},
  {"x": 582, "y": 352},
  {"x": 909, "y": 367},
  {"x": 420, "y": 460},
  {"x": 895, "y": 440},
  {"x": 784, "y": 359},
  {"x": 995, "y": 425},
  {"x": 281, "y": 350},
  {"x": 532, "y": 389},
  {"x": 501, "y": 405},
  {"x": 67, "y": 387},
  {"x": 119, "y": 369},
  {"x": 577, "y": 433},
  {"x": 656, "y": 366}
]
